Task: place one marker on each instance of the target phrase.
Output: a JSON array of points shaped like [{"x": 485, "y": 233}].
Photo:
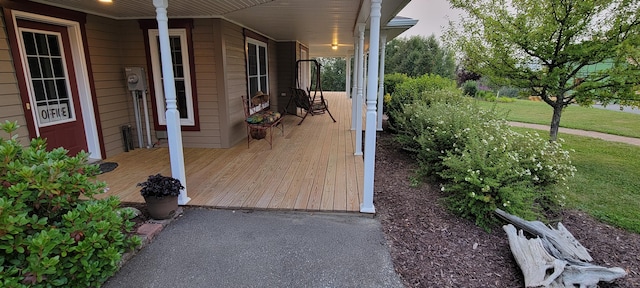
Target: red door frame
[
  {"x": 36, "y": 8},
  {"x": 78, "y": 124}
]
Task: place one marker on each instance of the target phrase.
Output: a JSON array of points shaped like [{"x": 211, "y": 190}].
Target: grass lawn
[
  {"x": 574, "y": 116},
  {"x": 607, "y": 183}
]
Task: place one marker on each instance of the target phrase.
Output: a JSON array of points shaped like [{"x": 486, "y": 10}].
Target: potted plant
[{"x": 161, "y": 195}]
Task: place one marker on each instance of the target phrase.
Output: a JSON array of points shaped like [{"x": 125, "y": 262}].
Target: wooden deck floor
[{"x": 312, "y": 167}]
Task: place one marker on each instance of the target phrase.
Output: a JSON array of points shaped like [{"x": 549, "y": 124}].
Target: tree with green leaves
[
  {"x": 563, "y": 51},
  {"x": 417, "y": 56},
  {"x": 332, "y": 74}
]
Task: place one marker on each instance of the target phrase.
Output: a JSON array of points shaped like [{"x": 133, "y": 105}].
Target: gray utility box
[{"x": 136, "y": 81}]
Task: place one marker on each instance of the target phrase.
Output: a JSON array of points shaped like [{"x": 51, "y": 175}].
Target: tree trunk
[{"x": 555, "y": 121}]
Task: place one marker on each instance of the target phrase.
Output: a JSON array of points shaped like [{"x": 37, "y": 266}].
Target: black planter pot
[{"x": 162, "y": 208}]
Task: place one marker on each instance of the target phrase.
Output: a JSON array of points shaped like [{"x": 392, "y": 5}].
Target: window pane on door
[
  {"x": 58, "y": 68},
  {"x": 29, "y": 43},
  {"x": 41, "y": 44},
  {"x": 61, "y": 88},
  {"x": 50, "y": 90},
  {"x": 34, "y": 67},
  {"x": 38, "y": 90},
  {"x": 45, "y": 64},
  {"x": 48, "y": 77},
  {"x": 54, "y": 49}
]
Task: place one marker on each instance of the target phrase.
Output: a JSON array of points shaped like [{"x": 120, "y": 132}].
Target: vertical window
[
  {"x": 257, "y": 69},
  {"x": 48, "y": 75},
  {"x": 181, "y": 73}
]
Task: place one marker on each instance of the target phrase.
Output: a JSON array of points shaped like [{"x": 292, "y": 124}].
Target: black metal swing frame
[{"x": 301, "y": 98}]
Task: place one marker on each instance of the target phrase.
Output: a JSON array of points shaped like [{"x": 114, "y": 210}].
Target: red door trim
[
  {"x": 56, "y": 12},
  {"x": 78, "y": 124}
]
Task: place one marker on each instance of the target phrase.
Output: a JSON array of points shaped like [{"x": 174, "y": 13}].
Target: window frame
[
  {"x": 258, "y": 43},
  {"x": 156, "y": 87},
  {"x": 304, "y": 74}
]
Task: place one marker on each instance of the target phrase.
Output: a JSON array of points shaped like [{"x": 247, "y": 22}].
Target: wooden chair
[{"x": 259, "y": 118}]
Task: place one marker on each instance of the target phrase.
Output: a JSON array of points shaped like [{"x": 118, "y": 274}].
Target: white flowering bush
[
  {"x": 501, "y": 168},
  {"x": 436, "y": 130},
  {"x": 481, "y": 163}
]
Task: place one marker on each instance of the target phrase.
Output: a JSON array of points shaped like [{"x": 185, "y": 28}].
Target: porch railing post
[
  {"x": 174, "y": 133},
  {"x": 370, "y": 137},
  {"x": 358, "y": 98},
  {"x": 347, "y": 81},
  {"x": 383, "y": 42},
  {"x": 354, "y": 89}
]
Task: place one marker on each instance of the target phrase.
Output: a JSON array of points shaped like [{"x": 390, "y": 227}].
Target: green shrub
[
  {"x": 421, "y": 88},
  {"x": 510, "y": 92},
  {"x": 385, "y": 102},
  {"x": 470, "y": 88},
  {"x": 486, "y": 95},
  {"x": 48, "y": 237},
  {"x": 391, "y": 81},
  {"x": 481, "y": 163},
  {"x": 434, "y": 130},
  {"x": 500, "y": 168}
]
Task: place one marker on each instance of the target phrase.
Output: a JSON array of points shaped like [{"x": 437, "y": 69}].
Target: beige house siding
[
  {"x": 133, "y": 54},
  {"x": 209, "y": 135},
  {"x": 234, "y": 81},
  {"x": 105, "y": 37},
  {"x": 115, "y": 45},
  {"x": 10, "y": 102},
  {"x": 219, "y": 59}
]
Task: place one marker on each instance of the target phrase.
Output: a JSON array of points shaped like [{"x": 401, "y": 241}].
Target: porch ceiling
[{"x": 317, "y": 24}]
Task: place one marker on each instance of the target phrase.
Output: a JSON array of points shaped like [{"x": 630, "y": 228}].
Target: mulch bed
[{"x": 431, "y": 247}]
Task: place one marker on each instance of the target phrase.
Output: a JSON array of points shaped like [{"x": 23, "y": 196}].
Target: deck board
[{"x": 311, "y": 167}]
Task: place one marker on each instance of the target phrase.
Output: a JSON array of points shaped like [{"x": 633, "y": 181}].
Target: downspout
[{"x": 174, "y": 134}]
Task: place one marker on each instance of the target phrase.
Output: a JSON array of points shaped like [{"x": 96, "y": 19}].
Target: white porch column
[
  {"x": 354, "y": 89},
  {"x": 366, "y": 68},
  {"x": 370, "y": 138},
  {"x": 358, "y": 98},
  {"x": 383, "y": 42},
  {"x": 174, "y": 133},
  {"x": 347, "y": 81}
]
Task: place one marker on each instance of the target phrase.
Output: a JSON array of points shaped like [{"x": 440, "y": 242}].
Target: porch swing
[{"x": 302, "y": 98}]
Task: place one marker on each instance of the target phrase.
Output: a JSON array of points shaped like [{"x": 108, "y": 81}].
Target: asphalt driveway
[{"x": 224, "y": 248}]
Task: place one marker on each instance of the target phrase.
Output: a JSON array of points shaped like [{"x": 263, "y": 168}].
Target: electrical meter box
[{"x": 136, "y": 81}]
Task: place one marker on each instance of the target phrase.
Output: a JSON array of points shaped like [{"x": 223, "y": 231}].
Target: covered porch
[{"x": 311, "y": 168}]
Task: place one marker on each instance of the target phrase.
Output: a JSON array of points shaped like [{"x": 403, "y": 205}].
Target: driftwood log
[{"x": 553, "y": 258}]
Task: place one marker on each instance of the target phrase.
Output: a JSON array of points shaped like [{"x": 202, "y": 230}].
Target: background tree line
[{"x": 414, "y": 56}]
